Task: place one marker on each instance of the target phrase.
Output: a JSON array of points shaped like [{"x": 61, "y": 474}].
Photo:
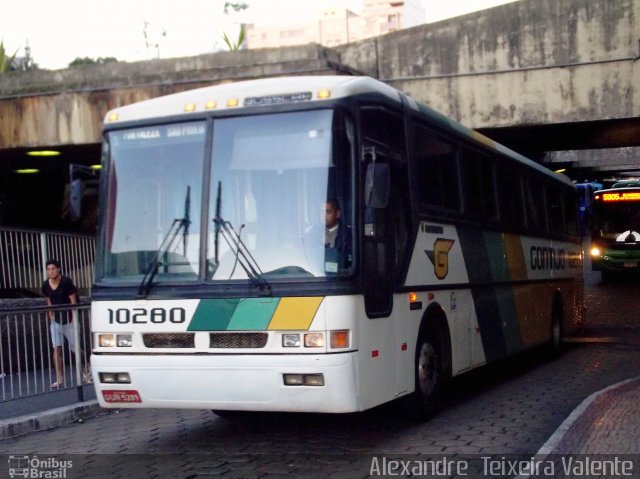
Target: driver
[{"x": 336, "y": 234}]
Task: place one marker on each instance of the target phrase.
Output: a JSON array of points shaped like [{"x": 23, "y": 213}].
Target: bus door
[
  {"x": 383, "y": 169},
  {"x": 386, "y": 224}
]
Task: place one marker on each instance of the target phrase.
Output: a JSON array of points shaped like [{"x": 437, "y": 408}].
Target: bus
[
  {"x": 218, "y": 285},
  {"x": 615, "y": 232},
  {"x": 585, "y": 204}
]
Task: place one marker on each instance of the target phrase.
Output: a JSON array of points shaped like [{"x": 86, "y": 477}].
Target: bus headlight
[
  {"x": 595, "y": 252},
  {"x": 106, "y": 340},
  {"x": 124, "y": 340},
  {"x": 290, "y": 340},
  {"x": 314, "y": 340}
]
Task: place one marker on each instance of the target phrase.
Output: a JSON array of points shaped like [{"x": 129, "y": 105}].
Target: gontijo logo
[
  {"x": 439, "y": 256},
  {"x": 546, "y": 258}
]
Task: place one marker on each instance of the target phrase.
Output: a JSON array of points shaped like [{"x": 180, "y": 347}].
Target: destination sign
[
  {"x": 620, "y": 196},
  {"x": 276, "y": 99}
]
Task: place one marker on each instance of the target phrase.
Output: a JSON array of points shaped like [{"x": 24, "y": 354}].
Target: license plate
[
  {"x": 119, "y": 396},
  {"x": 630, "y": 264}
]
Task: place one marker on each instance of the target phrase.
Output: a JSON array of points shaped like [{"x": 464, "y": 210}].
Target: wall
[
  {"x": 64, "y": 107},
  {"x": 530, "y": 62},
  {"x": 527, "y": 62}
]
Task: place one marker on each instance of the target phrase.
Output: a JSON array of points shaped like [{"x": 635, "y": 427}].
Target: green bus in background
[{"x": 615, "y": 234}]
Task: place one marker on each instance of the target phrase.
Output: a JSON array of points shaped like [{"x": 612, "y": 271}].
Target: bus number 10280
[{"x": 146, "y": 316}]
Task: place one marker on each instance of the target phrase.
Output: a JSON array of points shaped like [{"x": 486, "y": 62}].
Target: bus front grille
[
  {"x": 169, "y": 340},
  {"x": 238, "y": 340}
]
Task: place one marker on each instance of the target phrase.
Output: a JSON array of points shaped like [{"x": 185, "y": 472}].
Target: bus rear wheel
[
  {"x": 429, "y": 380},
  {"x": 556, "y": 331}
]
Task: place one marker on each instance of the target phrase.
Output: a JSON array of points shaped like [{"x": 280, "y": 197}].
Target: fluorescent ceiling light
[{"x": 43, "y": 153}]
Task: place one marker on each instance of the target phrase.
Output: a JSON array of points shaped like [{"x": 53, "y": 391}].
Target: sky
[{"x": 58, "y": 31}]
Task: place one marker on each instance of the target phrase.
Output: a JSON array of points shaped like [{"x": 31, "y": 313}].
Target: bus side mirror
[{"x": 376, "y": 186}]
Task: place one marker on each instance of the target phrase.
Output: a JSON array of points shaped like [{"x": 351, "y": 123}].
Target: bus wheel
[
  {"x": 424, "y": 401},
  {"x": 556, "y": 331}
]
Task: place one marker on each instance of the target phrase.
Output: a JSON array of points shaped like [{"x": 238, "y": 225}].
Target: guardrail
[
  {"x": 27, "y": 365},
  {"x": 23, "y": 256}
]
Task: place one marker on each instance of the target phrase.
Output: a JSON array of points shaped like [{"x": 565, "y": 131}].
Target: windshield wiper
[
  {"x": 216, "y": 241},
  {"x": 179, "y": 224},
  {"x": 243, "y": 256}
]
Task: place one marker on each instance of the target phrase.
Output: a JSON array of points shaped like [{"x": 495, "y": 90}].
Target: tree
[
  {"x": 151, "y": 43},
  {"x": 80, "y": 62},
  {"x": 234, "y": 46},
  {"x": 236, "y": 7},
  {"x": 6, "y": 61},
  {"x": 229, "y": 9}
]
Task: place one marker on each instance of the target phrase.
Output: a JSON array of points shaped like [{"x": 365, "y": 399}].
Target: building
[
  {"x": 384, "y": 16},
  {"x": 339, "y": 25}
]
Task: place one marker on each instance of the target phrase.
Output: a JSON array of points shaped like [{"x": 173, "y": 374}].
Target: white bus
[{"x": 222, "y": 282}]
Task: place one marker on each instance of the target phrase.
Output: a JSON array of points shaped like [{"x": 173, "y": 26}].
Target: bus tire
[
  {"x": 424, "y": 402},
  {"x": 556, "y": 329}
]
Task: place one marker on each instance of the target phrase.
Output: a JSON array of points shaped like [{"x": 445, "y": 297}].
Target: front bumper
[{"x": 230, "y": 382}]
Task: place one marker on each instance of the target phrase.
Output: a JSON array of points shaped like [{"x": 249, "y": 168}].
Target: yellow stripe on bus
[
  {"x": 515, "y": 257},
  {"x": 295, "y": 313}
]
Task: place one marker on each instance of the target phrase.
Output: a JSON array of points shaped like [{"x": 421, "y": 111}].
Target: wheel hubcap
[{"x": 427, "y": 369}]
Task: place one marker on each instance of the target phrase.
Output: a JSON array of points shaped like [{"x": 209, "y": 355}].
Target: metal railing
[
  {"x": 27, "y": 364},
  {"x": 23, "y": 255}
]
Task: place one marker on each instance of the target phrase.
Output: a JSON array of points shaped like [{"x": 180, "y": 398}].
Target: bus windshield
[
  {"x": 271, "y": 180},
  {"x": 618, "y": 222}
]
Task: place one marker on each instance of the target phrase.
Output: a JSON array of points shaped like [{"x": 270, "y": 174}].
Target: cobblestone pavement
[{"x": 509, "y": 408}]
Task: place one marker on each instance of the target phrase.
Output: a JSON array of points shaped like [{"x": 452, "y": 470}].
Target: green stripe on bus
[
  {"x": 213, "y": 314},
  {"x": 253, "y": 314},
  {"x": 504, "y": 295},
  {"x": 497, "y": 257},
  {"x": 477, "y": 261}
]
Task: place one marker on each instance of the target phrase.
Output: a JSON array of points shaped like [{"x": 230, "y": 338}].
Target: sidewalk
[
  {"x": 42, "y": 401},
  {"x": 39, "y": 421},
  {"x": 607, "y": 422}
]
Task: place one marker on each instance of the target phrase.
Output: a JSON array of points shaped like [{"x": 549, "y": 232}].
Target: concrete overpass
[{"x": 554, "y": 79}]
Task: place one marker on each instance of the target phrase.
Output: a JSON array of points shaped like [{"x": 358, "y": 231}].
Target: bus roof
[
  {"x": 265, "y": 91},
  {"x": 287, "y": 90}
]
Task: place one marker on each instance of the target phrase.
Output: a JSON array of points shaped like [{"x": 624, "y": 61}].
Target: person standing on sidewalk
[{"x": 60, "y": 289}]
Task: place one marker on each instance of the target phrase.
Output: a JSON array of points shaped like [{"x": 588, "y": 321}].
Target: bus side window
[
  {"x": 436, "y": 171},
  {"x": 555, "y": 209},
  {"x": 570, "y": 213},
  {"x": 534, "y": 200},
  {"x": 385, "y": 136},
  {"x": 384, "y": 128},
  {"x": 509, "y": 196},
  {"x": 479, "y": 185}
]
